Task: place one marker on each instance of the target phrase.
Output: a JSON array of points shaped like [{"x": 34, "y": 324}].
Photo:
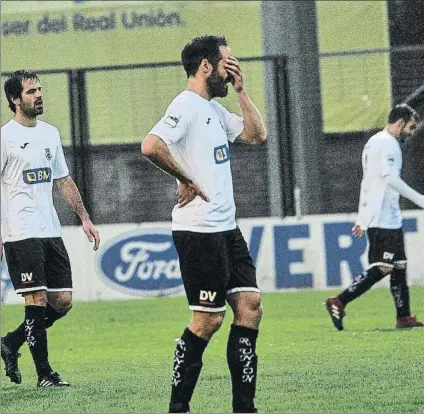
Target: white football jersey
[
  {"x": 197, "y": 132},
  {"x": 379, "y": 203},
  {"x": 31, "y": 158}
]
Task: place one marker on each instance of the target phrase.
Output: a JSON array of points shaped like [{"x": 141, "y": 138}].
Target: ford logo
[{"x": 142, "y": 262}]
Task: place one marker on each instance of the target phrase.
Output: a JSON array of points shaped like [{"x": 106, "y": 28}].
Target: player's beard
[
  {"x": 405, "y": 136},
  {"x": 32, "y": 111},
  {"x": 216, "y": 86}
]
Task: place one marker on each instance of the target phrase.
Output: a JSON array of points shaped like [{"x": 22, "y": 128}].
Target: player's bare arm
[
  {"x": 254, "y": 131},
  {"x": 157, "y": 152},
  {"x": 73, "y": 197}
]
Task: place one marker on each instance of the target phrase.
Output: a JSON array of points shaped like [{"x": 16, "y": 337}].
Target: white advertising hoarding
[{"x": 139, "y": 260}]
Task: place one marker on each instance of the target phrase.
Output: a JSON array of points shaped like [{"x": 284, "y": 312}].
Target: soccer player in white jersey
[
  {"x": 380, "y": 216},
  {"x": 191, "y": 142},
  {"x": 31, "y": 158}
]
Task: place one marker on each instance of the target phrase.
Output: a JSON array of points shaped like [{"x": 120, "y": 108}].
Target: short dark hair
[
  {"x": 404, "y": 112},
  {"x": 202, "y": 47},
  {"x": 13, "y": 86}
]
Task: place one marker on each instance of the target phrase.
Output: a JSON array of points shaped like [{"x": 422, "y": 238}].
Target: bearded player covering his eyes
[{"x": 191, "y": 142}]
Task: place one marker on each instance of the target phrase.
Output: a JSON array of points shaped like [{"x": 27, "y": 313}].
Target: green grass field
[{"x": 118, "y": 358}]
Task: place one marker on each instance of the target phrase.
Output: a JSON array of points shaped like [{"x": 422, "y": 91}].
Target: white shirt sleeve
[
  {"x": 174, "y": 124},
  {"x": 3, "y": 156},
  {"x": 387, "y": 160},
  {"x": 405, "y": 190},
  {"x": 366, "y": 210},
  {"x": 233, "y": 123},
  {"x": 59, "y": 166}
]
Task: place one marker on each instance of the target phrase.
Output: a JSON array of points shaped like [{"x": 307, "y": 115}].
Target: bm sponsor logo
[
  {"x": 143, "y": 263},
  {"x": 37, "y": 175},
  {"x": 222, "y": 154}
]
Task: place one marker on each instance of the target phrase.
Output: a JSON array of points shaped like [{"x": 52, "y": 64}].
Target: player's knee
[
  {"x": 256, "y": 311},
  {"x": 63, "y": 305},
  {"x": 249, "y": 312},
  {"x": 60, "y": 301},
  {"x": 68, "y": 305},
  {"x": 206, "y": 324},
  {"x": 398, "y": 276},
  {"x": 385, "y": 270},
  {"x": 254, "y": 307},
  {"x": 213, "y": 322}
]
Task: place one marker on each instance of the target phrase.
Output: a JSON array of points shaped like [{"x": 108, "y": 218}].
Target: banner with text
[
  {"x": 317, "y": 252},
  {"x": 75, "y": 34}
]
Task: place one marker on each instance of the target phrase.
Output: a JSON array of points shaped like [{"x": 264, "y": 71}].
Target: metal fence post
[
  {"x": 80, "y": 134},
  {"x": 285, "y": 135}
]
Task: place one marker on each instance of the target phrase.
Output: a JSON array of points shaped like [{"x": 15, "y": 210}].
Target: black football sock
[
  {"x": 36, "y": 337},
  {"x": 400, "y": 291},
  {"x": 52, "y": 315},
  {"x": 187, "y": 366},
  {"x": 15, "y": 339},
  {"x": 361, "y": 284},
  {"x": 243, "y": 363}
]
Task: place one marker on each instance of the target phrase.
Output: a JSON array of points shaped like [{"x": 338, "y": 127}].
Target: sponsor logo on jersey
[
  {"x": 48, "y": 154},
  {"x": 143, "y": 263},
  {"x": 37, "y": 175},
  {"x": 222, "y": 154}
]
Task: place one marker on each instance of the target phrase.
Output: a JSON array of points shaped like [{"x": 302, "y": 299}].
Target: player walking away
[
  {"x": 380, "y": 216},
  {"x": 191, "y": 143},
  {"x": 31, "y": 158}
]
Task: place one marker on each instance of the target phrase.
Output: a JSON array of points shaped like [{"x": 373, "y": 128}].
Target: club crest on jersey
[
  {"x": 172, "y": 120},
  {"x": 37, "y": 176},
  {"x": 48, "y": 154},
  {"x": 222, "y": 154}
]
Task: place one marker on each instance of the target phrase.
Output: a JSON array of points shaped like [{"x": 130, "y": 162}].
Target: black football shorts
[
  {"x": 214, "y": 265},
  {"x": 38, "y": 264},
  {"x": 386, "y": 247}
]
